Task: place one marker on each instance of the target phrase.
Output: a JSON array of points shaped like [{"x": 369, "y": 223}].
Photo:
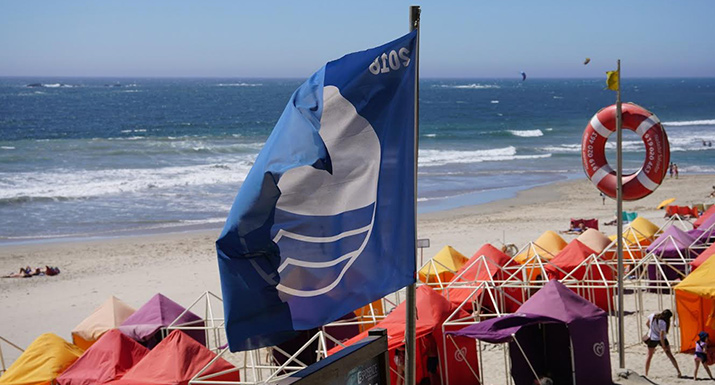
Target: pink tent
[
  {"x": 175, "y": 361},
  {"x": 107, "y": 359}
]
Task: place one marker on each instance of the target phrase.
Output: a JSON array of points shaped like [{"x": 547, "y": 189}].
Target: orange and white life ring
[{"x": 657, "y": 151}]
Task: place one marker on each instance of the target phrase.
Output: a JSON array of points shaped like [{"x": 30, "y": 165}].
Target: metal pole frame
[
  {"x": 411, "y": 300},
  {"x": 619, "y": 209}
]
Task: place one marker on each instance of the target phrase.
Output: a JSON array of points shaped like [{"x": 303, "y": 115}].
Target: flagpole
[
  {"x": 411, "y": 300},
  {"x": 619, "y": 231}
]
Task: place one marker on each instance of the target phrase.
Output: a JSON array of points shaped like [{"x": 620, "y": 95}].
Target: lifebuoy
[{"x": 657, "y": 155}]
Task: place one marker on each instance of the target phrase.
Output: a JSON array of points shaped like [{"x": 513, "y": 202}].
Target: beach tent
[
  {"x": 40, "y": 364},
  {"x": 107, "y": 316},
  {"x": 594, "y": 240},
  {"x": 577, "y": 262},
  {"x": 484, "y": 266},
  {"x": 672, "y": 243},
  {"x": 694, "y": 297},
  {"x": 441, "y": 268},
  {"x": 106, "y": 360},
  {"x": 159, "y": 312},
  {"x": 546, "y": 246},
  {"x": 432, "y": 310},
  {"x": 541, "y": 250},
  {"x": 175, "y": 361},
  {"x": 709, "y": 252},
  {"x": 639, "y": 232},
  {"x": 559, "y": 333},
  {"x": 709, "y": 213}
]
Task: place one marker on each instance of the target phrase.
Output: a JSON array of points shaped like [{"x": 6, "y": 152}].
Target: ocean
[{"x": 91, "y": 157}]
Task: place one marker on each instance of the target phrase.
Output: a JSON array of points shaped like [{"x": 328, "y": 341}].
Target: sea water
[{"x": 102, "y": 157}]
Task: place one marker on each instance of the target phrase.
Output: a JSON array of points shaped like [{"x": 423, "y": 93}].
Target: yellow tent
[
  {"x": 640, "y": 231},
  {"x": 546, "y": 246},
  {"x": 665, "y": 203},
  {"x": 107, "y": 316},
  {"x": 694, "y": 297},
  {"x": 441, "y": 267},
  {"x": 45, "y": 359}
]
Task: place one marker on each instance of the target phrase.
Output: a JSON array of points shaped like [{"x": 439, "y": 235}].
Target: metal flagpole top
[{"x": 411, "y": 300}]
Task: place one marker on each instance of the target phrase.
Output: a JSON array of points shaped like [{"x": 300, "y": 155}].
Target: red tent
[
  {"x": 475, "y": 271},
  {"x": 174, "y": 361},
  {"x": 568, "y": 259},
  {"x": 432, "y": 311},
  {"x": 704, "y": 217},
  {"x": 709, "y": 252},
  {"x": 106, "y": 360}
]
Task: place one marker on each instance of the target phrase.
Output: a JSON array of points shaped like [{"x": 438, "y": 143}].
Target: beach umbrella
[{"x": 665, "y": 203}]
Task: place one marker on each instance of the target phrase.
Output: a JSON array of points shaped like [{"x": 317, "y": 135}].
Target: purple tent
[
  {"x": 159, "y": 312},
  {"x": 670, "y": 242},
  {"x": 669, "y": 246},
  {"x": 554, "y": 328}
]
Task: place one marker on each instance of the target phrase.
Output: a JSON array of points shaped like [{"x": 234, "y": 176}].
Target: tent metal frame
[
  {"x": 211, "y": 325},
  {"x": 3, "y": 368}
]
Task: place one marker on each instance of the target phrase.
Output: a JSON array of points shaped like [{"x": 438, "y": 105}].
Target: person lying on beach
[
  {"x": 577, "y": 230},
  {"x": 25, "y": 272}
]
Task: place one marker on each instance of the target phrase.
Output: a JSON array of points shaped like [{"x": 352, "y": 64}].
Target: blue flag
[{"x": 324, "y": 222}]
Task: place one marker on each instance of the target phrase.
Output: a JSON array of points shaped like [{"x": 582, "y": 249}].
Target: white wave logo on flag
[{"x": 354, "y": 150}]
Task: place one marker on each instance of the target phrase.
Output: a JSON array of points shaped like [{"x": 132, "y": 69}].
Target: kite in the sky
[
  {"x": 523, "y": 76},
  {"x": 588, "y": 60}
]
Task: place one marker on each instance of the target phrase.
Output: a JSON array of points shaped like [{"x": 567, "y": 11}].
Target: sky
[{"x": 265, "y": 38}]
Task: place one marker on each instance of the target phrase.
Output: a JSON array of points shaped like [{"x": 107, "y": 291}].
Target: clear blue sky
[{"x": 293, "y": 38}]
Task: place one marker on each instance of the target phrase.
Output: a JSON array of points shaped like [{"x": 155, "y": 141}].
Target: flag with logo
[{"x": 324, "y": 222}]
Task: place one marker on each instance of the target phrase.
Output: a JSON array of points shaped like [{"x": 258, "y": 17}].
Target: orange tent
[
  {"x": 432, "y": 310},
  {"x": 709, "y": 252},
  {"x": 694, "y": 297},
  {"x": 40, "y": 364},
  {"x": 106, "y": 360},
  {"x": 174, "y": 361},
  {"x": 108, "y": 315}
]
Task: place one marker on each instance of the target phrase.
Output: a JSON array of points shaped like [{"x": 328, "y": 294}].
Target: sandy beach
[{"x": 183, "y": 265}]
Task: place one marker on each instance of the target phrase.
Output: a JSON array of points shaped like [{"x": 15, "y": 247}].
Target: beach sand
[{"x": 183, "y": 265}]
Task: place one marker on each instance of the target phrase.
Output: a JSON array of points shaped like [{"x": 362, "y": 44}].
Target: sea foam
[{"x": 441, "y": 157}]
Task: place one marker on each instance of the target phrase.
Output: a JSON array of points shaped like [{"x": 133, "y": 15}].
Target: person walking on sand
[
  {"x": 603, "y": 197},
  {"x": 670, "y": 169},
  {"x": 675, "y": 170},
  {"x": 658, "y": 325},
  {"x": 701, "y": 354}
]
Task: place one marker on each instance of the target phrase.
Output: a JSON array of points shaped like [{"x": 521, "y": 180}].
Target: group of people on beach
[
  {"x": 673, "y": 169},
  {"x": 658, "y": 325},
  {"x": 27, "y": 272}
]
